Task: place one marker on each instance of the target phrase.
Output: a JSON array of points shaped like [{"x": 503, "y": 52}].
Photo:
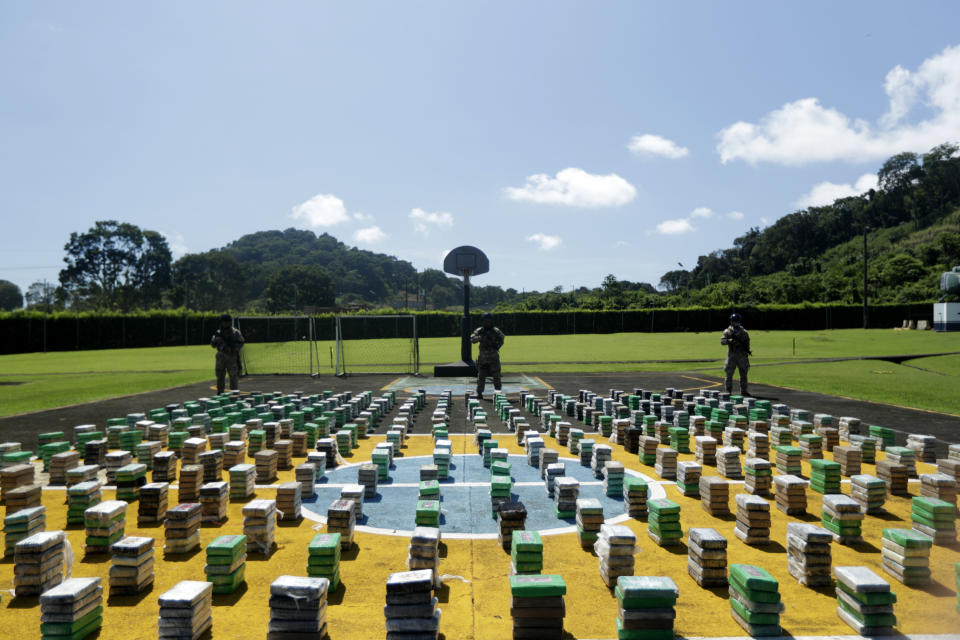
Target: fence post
[{"x": 44, "y": 334}]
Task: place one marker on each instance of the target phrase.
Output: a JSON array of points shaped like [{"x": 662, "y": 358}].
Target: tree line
[{"x": 912, "y": 225}]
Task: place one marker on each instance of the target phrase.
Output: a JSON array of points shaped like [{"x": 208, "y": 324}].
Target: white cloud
[
  {"x": 177, "y": 243},
  {"x": 805, "y": 131},
  {"x": 425, "y": 220},
  {"x": 322, "y": 210},
  {"x": 649, "y": 144},
  {"x": 545, "y": 241},
  {"x": 735, "y": 215},
  {"x": 825, "y": 193},
  {"x": 675, "y": 227},
  {"x": 702, "y": 212},
  {"x": 764, "y": 221},
  {"x": 575, "y": 188},
  {"x": 362, "y": 217},
  {"x": 369, "y": 235}
]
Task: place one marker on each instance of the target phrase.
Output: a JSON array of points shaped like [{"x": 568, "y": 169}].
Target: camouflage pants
[
  {"x": 737, "y": 360},
  {"x": 488, "y": 370},
  {"x": 228, "y": 364}
]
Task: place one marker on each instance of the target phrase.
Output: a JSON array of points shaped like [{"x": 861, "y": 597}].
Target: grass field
[{"x": 29, "y": 382}]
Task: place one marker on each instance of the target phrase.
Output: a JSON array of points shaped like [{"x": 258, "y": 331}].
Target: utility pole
[{"x": 866, "y": 228}]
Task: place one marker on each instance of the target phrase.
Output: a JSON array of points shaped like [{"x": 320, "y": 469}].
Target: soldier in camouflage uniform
[
  {"x": 488, "y": 360},
  {"x": 228, "y": 342},
  {"x": 737, "y": 340}
]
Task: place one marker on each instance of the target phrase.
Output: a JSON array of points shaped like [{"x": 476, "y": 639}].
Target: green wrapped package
[
  {"x": 227, "y": 546},
  {"x": 753, "y": 578},
  {"x": 662, "y": 506},
  {"x": 870, "y": 619},
  {"x": 642, "y": 634},
  {"x": 527, "y": 541},
  {"x": 537, "y": 586},
  {"x": 646, "y": 592},
  {"x": 908, "y": 538},
  {"x": 754, "y": 618}
]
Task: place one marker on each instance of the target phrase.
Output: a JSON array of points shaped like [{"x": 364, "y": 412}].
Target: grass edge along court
[{"x": 36, "y": 381}]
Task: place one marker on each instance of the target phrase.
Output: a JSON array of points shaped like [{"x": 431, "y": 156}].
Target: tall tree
[
  {"x": 10, "y": 296},
  {"x": 298, "y": 286},
  {"x": 42, "y": 296},
  {"x": 116, "y": 264}
]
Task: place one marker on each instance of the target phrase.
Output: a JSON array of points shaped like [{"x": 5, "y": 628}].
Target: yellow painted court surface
[{"x": 477, "y": 607}]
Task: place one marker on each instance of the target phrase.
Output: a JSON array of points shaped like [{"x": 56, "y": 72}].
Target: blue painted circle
[{"x": 465, "y": 495}]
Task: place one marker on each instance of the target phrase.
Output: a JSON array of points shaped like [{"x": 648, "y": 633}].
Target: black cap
[
  {"x": 225, "y": 318},
  {"x": 735, "y": 318}
]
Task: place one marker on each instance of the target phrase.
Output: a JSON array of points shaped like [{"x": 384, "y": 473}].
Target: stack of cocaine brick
[
  {"x": 104, "y": 524},
  {"x": 825, "y": 476},
  {"x": 154, "y": 500},
  {"x": 284, "y": 450},
  {"x": 60, "y": 463},
  {"x": 243, "y": 481},
  {"x": 24, "y": 497},
  {"x": 905, "y": 457},
  {"x": 849, "y": 460},
  {"x": 342, "y": 518},
  {"x": 298, "y": 608},
  {"x": 734, "y": 437},
  {"x": 81, "y": 497},
  {"x": 182, "y": 528},
  {"x": 895, "y": 476},
  {"x": 129, "y": 480},
  {"x": 212, "y": 463},
  {"x": 848, "y": 426},
  {"x": 940, "y": 486},
  {"x": 553, "y": 471},
  {"x": 146, "y": 451},
  {"x": 186, "y": 610},
  {"x": 164, "y": 467},
  {"x": 289, "y": 501},
  {"x": 424, "y": 551},
  {"x": 869, "y": 492},
  {"x": 791, "y": 494},
  {"x": 38, "y": 563},
  {"x": 867, "y": 446},
  {"x": 789, "y": 460},
  {"x": 192, "y": 448},
  {"x": 191, "y": 479},
  {"x": 533, "y": 444},
  {"x": 95, "y": 452},
  {"x": 566, "y": 490},
  {"x": 526, "y": 553},
  {"x": 615, "y": 547},
  {"x": 226, "y": 563},
  {"x": 71, "y": 610},
  {"x": 20, "y": 525},
  {"x": 613, "y": 472},
  {"x": 924, "y": 447},
  {"x": 305, "y": 475},
  {"x": 266, "y": 464},
  {"x": 14, "y": 476},
  {"x": 705, "y": 449},
  {"x": 688, "y": 478},
  {"x": 367, "y": 477},
  {"x": 537, "y": 606},
  {"x": 234, "y": 453},
  {"x": 905, "y": 555},
  {"x": 319, "y": 461},
  {"x": 728, "y": 463},
  {"x": 585, "y": 451},
  {"x": 808, "y": 554},
  {"x": 707, "y": 557},
  {"x": 715, "y": 495},
  {"x": 781, "y": 437},
  {"x": 645, "y": 607},
  {"x": 511, "y": 516},
  {"x": 589, "y": 521},
  {"x": 759, "y": 476},
  {"x": 649, "y": 446},
  {"x": 831, "y": 437},
  {"x": 323, "y": 558},
  {"x": 811, "y": 446},
  {"x": 213, "y": 502},
  {"x": 666, "y": 465},
  {"x": 864, "y": 601},
  {"x": 411, "y": 610},
  {"x": 82, "y": 473},
  {"x": 753, "y": 519},
  {"x": 758, "y": 445},
  {"x": 663, "y": 522},
  {"x": 602, "y": 454},
  {"x": 935, "y": 519},
  {"x": 841, "y": 516},
  {"x": 115, "y": 460},
  {"x": 260, "y": 524},
  {"x": 635, "y": 496},
  {"x": 755, "y": 600},
  {"x": 131, "y": 569},
  {"x": 680, "y": 439}
]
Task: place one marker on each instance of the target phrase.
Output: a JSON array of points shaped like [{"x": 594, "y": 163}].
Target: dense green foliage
[{"x": 10, "y": 296}]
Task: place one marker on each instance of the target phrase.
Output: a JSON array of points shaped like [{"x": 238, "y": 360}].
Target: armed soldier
[
  {"x": 737, "y": 340},
  {"x": 488, "y": 360},
  {"x": 227, "y": 341}
]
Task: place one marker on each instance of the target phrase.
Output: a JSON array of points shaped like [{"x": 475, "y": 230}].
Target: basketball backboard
[{"x": 466, "y": 261}]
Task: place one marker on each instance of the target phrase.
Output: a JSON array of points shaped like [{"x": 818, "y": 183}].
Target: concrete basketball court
[{"x": 475, "y": 595}]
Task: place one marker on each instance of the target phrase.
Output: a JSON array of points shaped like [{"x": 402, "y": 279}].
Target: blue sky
[{"x": 568, "y": 140}]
